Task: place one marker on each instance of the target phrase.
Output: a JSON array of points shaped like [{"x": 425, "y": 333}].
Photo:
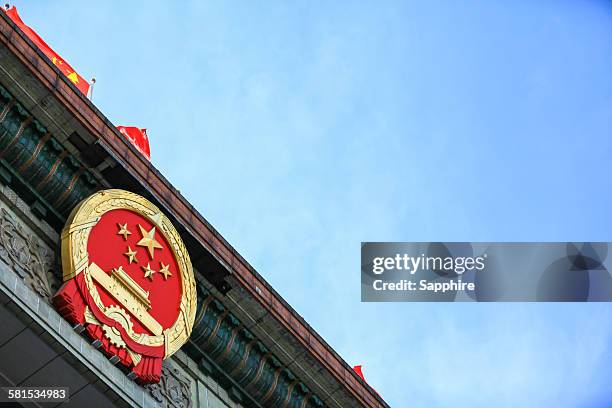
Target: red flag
[
  {"x": 357, "y": 369},
  {"x": 63, "y": 66},
  {"x": 138, "y": 137}
]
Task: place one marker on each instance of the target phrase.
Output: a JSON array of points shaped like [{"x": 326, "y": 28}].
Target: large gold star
[
  {"x": 148, "y": 271},
  {"x": 131, "y": 255},
  {"x": 164, "y": 270},
  {"x": 123, "y": 230},
  {"x": 148, "y": 240}
]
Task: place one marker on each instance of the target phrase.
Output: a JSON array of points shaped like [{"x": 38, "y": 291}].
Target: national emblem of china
[{"x": 128, "y": 280}]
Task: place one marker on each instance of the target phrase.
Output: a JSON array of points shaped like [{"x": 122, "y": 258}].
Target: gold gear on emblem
[{"x": 123, "y": 318}]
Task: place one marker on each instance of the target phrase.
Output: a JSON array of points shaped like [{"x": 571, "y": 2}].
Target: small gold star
[
  {"x": 123, "y": 230},
  {"x": 148, "y": 240},
  {"x": 164, "y": 270},
  {"x": 131, "y": 255},
  {"x": 148, "y": 271}
]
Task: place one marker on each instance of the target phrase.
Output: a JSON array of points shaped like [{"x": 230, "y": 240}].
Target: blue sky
[{"x": 300, "y": 129}]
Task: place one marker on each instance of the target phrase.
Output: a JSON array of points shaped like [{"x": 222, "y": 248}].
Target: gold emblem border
[{"x": 75, "y": 258}]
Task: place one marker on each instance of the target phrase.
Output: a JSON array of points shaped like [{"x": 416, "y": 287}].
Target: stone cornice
[
  {"x": 32, "y": 158},
  {"x": 220, "y": 336}
]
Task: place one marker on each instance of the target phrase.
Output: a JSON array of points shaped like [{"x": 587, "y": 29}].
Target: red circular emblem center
[{"x": 125, "y": 242}]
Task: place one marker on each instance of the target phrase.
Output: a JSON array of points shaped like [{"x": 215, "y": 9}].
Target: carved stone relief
[
  {"x": 173, "y": 390},
  {"x": 27, "y": 256}
]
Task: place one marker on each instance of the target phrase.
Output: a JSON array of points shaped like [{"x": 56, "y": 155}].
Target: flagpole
[{"x": 91, "y": 87}]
